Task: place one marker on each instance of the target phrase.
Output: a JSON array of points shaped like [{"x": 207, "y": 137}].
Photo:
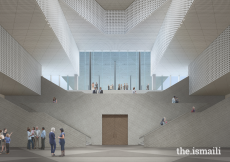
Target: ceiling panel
[
  {"x": 24, "y": 20},
  {"x": 89, "y": 38},
  {"x": 204, "y": 22}
]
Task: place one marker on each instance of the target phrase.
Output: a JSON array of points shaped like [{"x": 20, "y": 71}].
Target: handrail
[
  {"x": 161, "y": 125},
  {"x": 168, "y": 122},
  {"x": 57, "y": 119}
]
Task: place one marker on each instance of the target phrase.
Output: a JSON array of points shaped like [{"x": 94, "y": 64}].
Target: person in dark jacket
[{"x": 52, "y": 141}]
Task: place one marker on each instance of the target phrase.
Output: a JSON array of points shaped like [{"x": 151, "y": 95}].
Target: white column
[
  {"x": 154, "y": 82},
  {"x": 75, "y": 82},
  {"x": 170, "y": 81},
  {"x": 59, "y": 81}
]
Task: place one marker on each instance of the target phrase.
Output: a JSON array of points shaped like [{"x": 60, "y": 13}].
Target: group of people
[
  {"x": 100, "y": 91},
  {"x": 34, "y": 138},
  {"x": 125, "y": 87},
  {"x": 5, "y": 140},
  {"x": 175, "y": 99},
  {"x": 94, "y": 86}
]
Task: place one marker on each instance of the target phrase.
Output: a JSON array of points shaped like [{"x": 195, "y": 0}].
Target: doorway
[{"x": 114, "y": 129}]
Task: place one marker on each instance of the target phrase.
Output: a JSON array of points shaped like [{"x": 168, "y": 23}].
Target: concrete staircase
[
  {"x": 208, "y": 128},
  {"x": 16, "y": 120}
]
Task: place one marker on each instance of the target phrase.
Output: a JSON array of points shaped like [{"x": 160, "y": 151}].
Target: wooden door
[
  {"x": 121, "y": 130},
  {"x": 114, "y": 129}
]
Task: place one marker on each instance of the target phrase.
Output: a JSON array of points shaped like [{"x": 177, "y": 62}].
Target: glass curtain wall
[{"x": 113, "y": 70}]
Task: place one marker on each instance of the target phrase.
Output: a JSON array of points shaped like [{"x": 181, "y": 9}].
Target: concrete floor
[{"x": 110, "y": 154}]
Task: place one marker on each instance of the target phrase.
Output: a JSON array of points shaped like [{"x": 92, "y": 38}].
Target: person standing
[
  {"x": 96, "y": 86},
  {"x": 43, "y": 137},
  {"x": 147, "y": 87},
  {"x": 52, "y": 141},
  {"x": 7, "y": 139},
  {"x": 3, "y": 140},
  {"x": 27, "y": 137},
  {"x": 32, "y": 137},
  {"x": 29, "y": 134},
  {"x": 62, "y": 142},
  {"x": 92, "y": 86},
  {"x": 1, "y": 137},
  {"x": 37, "y": 135}
]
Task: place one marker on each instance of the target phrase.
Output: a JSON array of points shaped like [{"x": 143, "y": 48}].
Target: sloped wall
[
  {"x": 209, "y": 128},
  {"x": 17, "y": 120}
]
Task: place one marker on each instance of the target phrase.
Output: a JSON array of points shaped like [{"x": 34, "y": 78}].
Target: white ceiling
[
  {"x": 115, "y": 4},
  {"x": 26, "y": 23},
  {"x": 204, "y": 22},
  {"x": 140, "y": 38}
]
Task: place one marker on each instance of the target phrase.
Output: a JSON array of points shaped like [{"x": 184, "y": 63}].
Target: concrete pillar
[
  {"x": 90, "y": 71},
  {"x": 67, "y": 82},
  {"x": 99, "y": 85},
  {"x": 114, "y": 84},
  {"x": 59, "y": 83},
  {"x": 170, "y": 83},
  {"x": 162, "y": 88},
  {"x": 130, "y": 83},
  {"x": 154, "y": 82},
  {"x": 140, "y": 88},
  {"x": 75, "y": 82}
]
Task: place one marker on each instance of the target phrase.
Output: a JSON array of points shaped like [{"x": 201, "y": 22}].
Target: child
[
  {"x": 7, "y": 138},
  {"x": 193, "y": 109}
]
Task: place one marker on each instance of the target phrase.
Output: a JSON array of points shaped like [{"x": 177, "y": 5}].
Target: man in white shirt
[
  {"x": 174, "y": 99},
  {"x": 37, "y": 135}
]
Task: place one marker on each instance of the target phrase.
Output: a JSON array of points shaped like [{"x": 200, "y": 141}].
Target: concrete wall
[
  {"x": 209, "y": 73},
  {"x": 209, "y": 128},
  {"x": 84, "y": 111},
  {"x": 16, "y": 120},
  {"x": 17, "y": 65}
]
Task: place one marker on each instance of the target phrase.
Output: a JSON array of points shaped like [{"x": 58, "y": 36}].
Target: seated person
[
  {"x": 134, "y": 92},
  {"x": 54, "y": 100},
  {"x": 193, "y": 109},
  {"x": 177, "y": 100},
  {"x": 94, "y": 91},
  {"x": 163, "y": 121},
  {"x": 100, "y": 91},
  {"x": 174, "y": 99}
]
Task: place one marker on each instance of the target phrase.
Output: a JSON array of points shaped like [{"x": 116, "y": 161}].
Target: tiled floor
[{"x": 109, "y": 154}]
